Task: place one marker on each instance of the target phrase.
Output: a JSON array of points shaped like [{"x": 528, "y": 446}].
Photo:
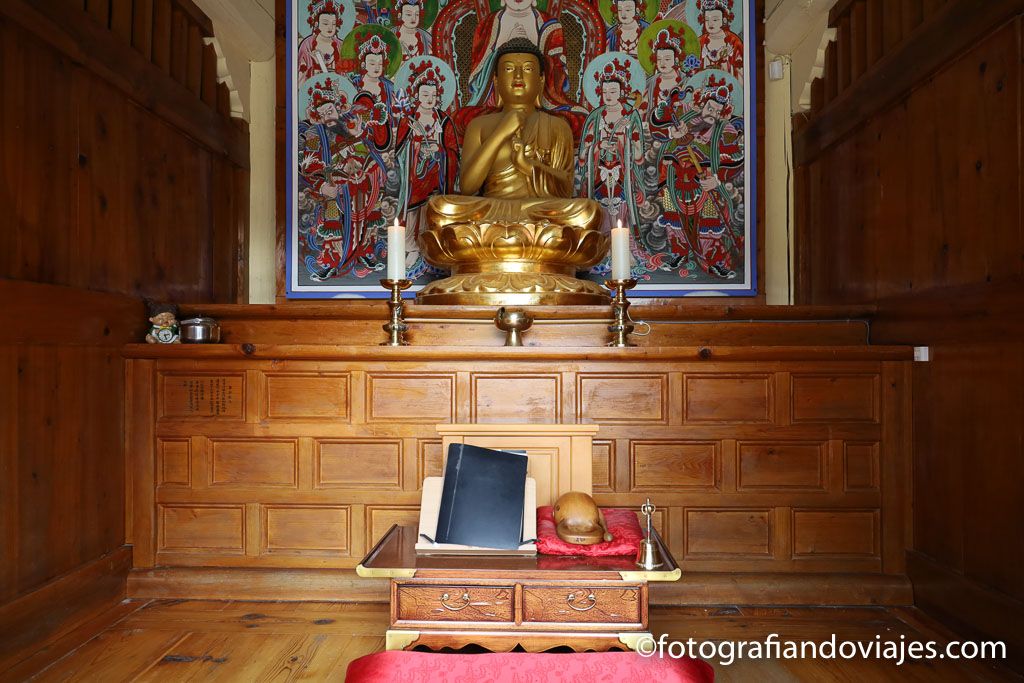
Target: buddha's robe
[{"x": 515, "y": 193}]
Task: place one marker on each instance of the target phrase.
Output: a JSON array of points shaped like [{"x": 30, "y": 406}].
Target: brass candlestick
[
  {"x": 395, "y": 327},
  {"x": 622, "y": 328}
]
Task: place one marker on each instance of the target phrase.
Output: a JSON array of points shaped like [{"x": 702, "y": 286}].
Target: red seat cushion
[
  {"x": 523, "y": 667},
  {"x": 622, "y": 525}
]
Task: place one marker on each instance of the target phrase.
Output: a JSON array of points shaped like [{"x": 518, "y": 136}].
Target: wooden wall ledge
[
  {"x": 640, "y": 310},
  {"x": 522, "y": 354}
]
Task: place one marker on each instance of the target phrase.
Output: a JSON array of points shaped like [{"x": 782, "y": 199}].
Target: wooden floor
[{"x": 167, "y": 640}]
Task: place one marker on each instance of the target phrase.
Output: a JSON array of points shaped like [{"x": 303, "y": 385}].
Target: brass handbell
[{"x": 649, "y": 557}]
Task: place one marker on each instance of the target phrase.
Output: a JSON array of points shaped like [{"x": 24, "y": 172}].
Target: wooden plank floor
[{"x": 194, "y": 640}]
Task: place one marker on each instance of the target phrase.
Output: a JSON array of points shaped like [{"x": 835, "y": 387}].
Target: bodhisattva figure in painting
[
  {"x": 414, "y": 40},
  {"x": 624, "y": 35},
  {"x": 320, "y": 52},
  {"x": 521, "y": 158}
]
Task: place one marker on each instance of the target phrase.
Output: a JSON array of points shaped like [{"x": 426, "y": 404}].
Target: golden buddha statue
[{"x": 525, "y": 238}]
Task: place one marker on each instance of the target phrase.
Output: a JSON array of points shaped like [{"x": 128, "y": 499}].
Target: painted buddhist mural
[{"x": 657, "y": 95}]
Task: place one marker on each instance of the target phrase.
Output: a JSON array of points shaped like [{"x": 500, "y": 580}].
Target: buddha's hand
[{"x": 510, "y": 124}]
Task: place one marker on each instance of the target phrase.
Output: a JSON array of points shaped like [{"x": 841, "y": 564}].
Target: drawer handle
[
  {"x": 571, "y": 598},
  {"x": 465, "y": 602}
]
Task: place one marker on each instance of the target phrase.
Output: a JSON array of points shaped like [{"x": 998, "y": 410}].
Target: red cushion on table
[
  {"x": 622, "y": 525},
  {"x": 397, "y": 666}
]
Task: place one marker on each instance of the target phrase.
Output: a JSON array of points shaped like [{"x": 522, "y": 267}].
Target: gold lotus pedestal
[{"x": 513, "y": 264}]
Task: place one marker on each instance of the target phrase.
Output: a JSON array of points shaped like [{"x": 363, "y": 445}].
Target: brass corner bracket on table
[
  {"x": 399, "y": 640},
  {"x": 632, "y": 639},
  {"x": 651, "y": 575},
  {"x": 384, "y": 572}
]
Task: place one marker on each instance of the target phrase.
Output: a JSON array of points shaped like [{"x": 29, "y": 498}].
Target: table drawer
[
  {"x": 576, "y": 604},
  {"x": 454, "y": 603}
]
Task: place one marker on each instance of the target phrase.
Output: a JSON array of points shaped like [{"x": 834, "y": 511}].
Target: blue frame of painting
[{"x": 750, "y": 108}]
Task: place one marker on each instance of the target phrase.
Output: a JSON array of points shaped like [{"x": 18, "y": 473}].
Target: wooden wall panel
[
  {"x": 359, "y": 464},
  {"x": 738, "y": 399},
  {"x": 734, "y": 533},
  {"x": 726, "y": 486},
  {"x": 395, "y": 397},
  {"x": 835, "y": 398},
  {"x": 107, "y": 198},
  {"x": 298, "y": 396},
  {"x": 860, "y": 466},
  {"x": 604, "y": 466},
  {"x": 835, "y": 532},
  {"x": 299, "y": 530},
  {"x": 253, "y": 463},
  {"x": 218, "y": 396},
  {"x": 781, "y": 465},
  {"x": 202, "y": 528},
  {"x": 534, "y": 398},
  {"x": 622, "y": 399},
  {"x": 929, "y": 140},
  {"x": 675, "y": 465},
  {"x": 430, "y": 459},
  {"x": 174, "y": 462}
]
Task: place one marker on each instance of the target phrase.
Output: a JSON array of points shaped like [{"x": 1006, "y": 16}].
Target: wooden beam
[
  {"x": 121, "y": 19},
  {"x": 709, "y": 354},
  {"x": 142, "y": 28},
  {"x": 197, "y": 16},
  {"x": 36, "y": 619},
  {"x": 858, "y": 40},
  {"x": 68, "y": 315},
  {"x": 694, "y": 588},
  {"x": 967, "y": 606},
  {"x": 957, "y": 25},
  {"x": 987, "y": 310},
  {"x": 123, "y": 67}
]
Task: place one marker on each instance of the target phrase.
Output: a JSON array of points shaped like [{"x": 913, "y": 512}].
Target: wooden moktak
[
  {"x": 523, "y": 241},
  {"x": 578, "y": 520}
]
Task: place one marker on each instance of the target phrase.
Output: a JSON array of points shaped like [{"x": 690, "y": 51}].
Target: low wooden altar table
[{"x": 585, "y": 603}]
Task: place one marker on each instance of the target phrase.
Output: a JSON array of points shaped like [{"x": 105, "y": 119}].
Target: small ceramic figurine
[{"x": 164, "y": 328}]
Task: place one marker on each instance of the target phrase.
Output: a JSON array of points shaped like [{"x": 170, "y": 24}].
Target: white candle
[
  {"x": 396, "y": 251},
  {"x": 620, "y": 252}
]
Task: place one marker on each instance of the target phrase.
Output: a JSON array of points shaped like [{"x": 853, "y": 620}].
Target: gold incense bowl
[{"x": 516, "y": 264}]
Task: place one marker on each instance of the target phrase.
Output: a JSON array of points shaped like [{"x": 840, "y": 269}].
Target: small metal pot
[{"x": 200, "y": 331}]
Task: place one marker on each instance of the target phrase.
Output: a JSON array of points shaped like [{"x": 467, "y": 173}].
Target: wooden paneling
[
  {"x": 604, "y": 466},
  {"x": 174, "y": 462},
  {"x": 107, "y": 198},
  {"x": 410, "y": 398},
  {"x": 725, "y": 485},
  {"x": 254, "y": 463},
  {"x": 359, "y": 464},
  {"x": 313, "y": 396},
  {"x": 298, "y": 530},
  {"x": 429, "y": 459},
  {"x": 860, "y": 463},
  {"x": 743, "y": 533},
  {"x": 676, "y": 465},
  {"x": 202, "y": 528},
  {"x": 738, "y": 399},
  {"x": 781, "y": 465},
  {"x": 516, "y": 398},
  {"x": 216, "y": 396},
  {"x": 622, "y": 399},
  {"x": 879, "y": 157},
  {"x": 60, "y": 607},
  {"x": 835, "y": 398},
  {"x": 835, "y": 532}
]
